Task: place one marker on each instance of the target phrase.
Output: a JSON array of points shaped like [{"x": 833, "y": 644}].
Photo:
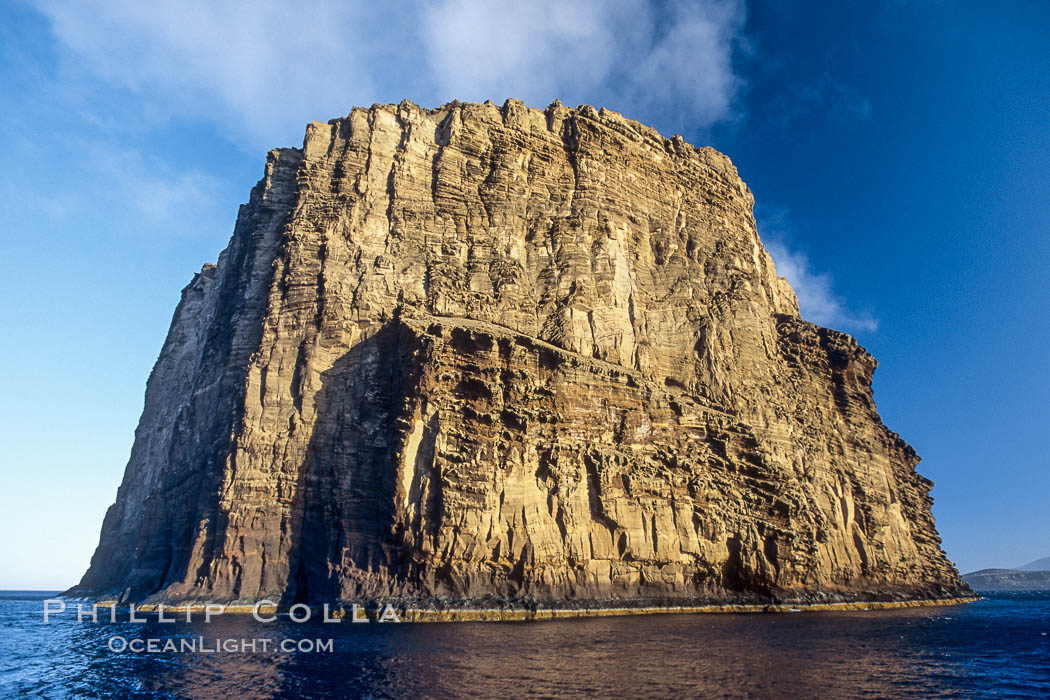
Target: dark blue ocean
[{"x": 998, "y": 647}]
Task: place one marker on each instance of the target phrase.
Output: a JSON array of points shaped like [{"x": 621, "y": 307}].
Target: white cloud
[
  {"x": 690, "y": 67},
  {"x": 263, "y": 69},
  {"x": 628, "y": 55},
  {"x": 817, "y": 299},
  {"x": 534, "y": 51},
  {"x": 257, "y": 66}
]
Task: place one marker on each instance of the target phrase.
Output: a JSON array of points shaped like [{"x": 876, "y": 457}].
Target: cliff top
[{"x": 517, "y": 113}]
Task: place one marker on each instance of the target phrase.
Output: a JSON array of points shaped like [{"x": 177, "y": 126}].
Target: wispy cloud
[
  {"x": 817, "y": 300},
  {"x": 830, "y": 99},
  {"x": 263, "y": 70},
  {"x": 75, "y": 171},
  {"x": 157, "y": 193},
  {"x": 634, "y": 56}
]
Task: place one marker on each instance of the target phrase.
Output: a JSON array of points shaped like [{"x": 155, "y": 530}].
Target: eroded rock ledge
[{"x": 480, "y": 354}]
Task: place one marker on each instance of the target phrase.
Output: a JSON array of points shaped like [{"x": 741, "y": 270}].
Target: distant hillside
[
  {"x": 1037, "y": 565},
  {"x": 1008, "y": 580}
]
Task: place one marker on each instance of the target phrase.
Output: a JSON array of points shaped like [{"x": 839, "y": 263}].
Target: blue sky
[{"x": 899, "y": 153}]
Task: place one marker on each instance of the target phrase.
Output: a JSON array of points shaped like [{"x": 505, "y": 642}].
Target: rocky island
[
  {"x": 1008, "y": 580},
  {"x": 1033, "y": 576},
  {"x": 484, "y": 358}
]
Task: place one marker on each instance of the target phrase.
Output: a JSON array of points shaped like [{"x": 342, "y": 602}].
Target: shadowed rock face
[{"x": 508, "y": 354}]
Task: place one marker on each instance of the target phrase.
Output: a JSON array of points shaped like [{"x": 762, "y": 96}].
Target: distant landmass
[
  {"x": 1027, "y": 578},
  {"x": 1037, "y": 565}
]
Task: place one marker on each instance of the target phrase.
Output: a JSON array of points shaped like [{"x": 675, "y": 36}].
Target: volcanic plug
[{"x": 483, "y": 356}]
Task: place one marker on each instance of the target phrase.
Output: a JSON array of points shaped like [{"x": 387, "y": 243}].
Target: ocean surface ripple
[{"x": 998, "y": 647}]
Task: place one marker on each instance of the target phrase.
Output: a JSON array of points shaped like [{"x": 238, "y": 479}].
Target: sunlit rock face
[{"x": 511, "y": 356}]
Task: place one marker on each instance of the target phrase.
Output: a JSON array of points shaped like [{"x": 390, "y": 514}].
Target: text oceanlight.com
[{"x": 200, "y": 645}]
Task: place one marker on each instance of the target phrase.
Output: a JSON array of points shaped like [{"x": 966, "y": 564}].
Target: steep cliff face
[{"x": 509, "y": 354}]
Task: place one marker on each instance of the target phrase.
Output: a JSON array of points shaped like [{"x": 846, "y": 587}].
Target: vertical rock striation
[{"x": 509, "y": 355}]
